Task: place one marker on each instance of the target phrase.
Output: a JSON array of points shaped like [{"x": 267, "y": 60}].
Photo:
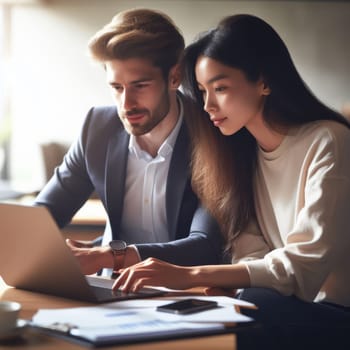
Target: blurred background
[{"x": 48, "y": 83}]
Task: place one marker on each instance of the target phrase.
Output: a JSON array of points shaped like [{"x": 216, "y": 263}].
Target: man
[{"x": 136, "y": 155}]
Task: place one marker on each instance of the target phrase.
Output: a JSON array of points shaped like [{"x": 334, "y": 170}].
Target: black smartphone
[{"x": 188, "y": 306}]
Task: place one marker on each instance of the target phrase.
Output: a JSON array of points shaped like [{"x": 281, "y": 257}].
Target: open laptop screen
[{"x": 34, "y": 256}]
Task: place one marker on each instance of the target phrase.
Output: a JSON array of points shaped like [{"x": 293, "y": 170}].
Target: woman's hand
[{"x": 154, "y": 272}]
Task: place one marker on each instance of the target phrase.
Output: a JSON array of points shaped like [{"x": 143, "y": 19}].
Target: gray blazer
[{"x": 97, "y": 161}]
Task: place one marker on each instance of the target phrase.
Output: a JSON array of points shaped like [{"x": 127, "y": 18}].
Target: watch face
[{"x": 117, "y": 245}]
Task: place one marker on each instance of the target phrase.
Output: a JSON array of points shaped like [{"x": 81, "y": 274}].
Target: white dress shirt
[{"x": 144, "y": 217}]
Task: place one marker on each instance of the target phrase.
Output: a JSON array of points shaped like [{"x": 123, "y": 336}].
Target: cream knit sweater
[{"x": 301, "y": 244}]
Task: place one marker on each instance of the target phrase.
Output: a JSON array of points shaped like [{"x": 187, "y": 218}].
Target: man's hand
[
  {"x": 91, "y": 259},
  {"x": 79, "y": 244}
]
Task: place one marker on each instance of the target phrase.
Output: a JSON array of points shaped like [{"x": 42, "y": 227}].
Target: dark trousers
[{"x": 286, "y": 322}]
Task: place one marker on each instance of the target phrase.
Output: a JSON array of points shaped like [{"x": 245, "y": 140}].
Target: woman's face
[{"x": 232, "y": 101}]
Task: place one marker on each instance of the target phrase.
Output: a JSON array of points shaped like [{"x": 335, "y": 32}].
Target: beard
[{"x": 151, "y": 118}]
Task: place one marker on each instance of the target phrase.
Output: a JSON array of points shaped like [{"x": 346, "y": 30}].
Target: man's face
[{"x": 140, "y": 92}]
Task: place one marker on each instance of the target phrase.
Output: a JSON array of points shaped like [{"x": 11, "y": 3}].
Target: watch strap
[{"x": 118, "y": 250}]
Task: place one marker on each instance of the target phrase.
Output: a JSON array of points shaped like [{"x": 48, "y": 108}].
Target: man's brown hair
[{"x": 139, "y": 33}]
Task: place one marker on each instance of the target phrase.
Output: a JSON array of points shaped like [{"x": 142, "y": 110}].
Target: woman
[{"x": 278, "y": 181}]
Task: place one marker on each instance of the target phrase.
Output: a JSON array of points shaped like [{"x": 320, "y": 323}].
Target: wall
[{"x": 54, "y": 83}]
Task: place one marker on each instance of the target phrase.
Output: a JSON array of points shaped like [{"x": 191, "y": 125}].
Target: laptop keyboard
[{"x": 102, "y": 288}]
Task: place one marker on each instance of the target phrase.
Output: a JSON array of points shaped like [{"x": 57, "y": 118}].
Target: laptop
[{"x": 35, "y": 257}]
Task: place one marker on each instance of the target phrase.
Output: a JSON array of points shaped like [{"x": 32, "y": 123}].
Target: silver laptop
[{"x": 35, "y": 257}]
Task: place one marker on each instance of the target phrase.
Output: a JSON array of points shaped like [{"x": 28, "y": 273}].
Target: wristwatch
[{"x": 118, "y": 249}]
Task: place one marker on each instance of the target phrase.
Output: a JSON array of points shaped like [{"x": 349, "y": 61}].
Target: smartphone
[{"x": 188, "y": 306}]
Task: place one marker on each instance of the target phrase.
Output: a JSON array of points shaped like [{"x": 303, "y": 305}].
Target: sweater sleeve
[{"x": 249, "y": 245}]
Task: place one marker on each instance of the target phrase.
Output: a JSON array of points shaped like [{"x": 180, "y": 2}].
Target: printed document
[{"x": 137, "y": 318}]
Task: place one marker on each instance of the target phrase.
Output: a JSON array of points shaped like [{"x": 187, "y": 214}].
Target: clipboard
[
  {"x": 129, "y": 322},
  {"x": 139, "y": 338}
]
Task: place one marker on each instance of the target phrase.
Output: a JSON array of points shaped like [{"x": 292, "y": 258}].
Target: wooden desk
[
  {"x": 32, "y": 340},
  {"x": 87, "y": 224},
  {"x": 91, "y": 213}
]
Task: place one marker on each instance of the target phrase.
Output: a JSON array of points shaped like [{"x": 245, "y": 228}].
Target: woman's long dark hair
[{"x": 224, "y": 166}]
